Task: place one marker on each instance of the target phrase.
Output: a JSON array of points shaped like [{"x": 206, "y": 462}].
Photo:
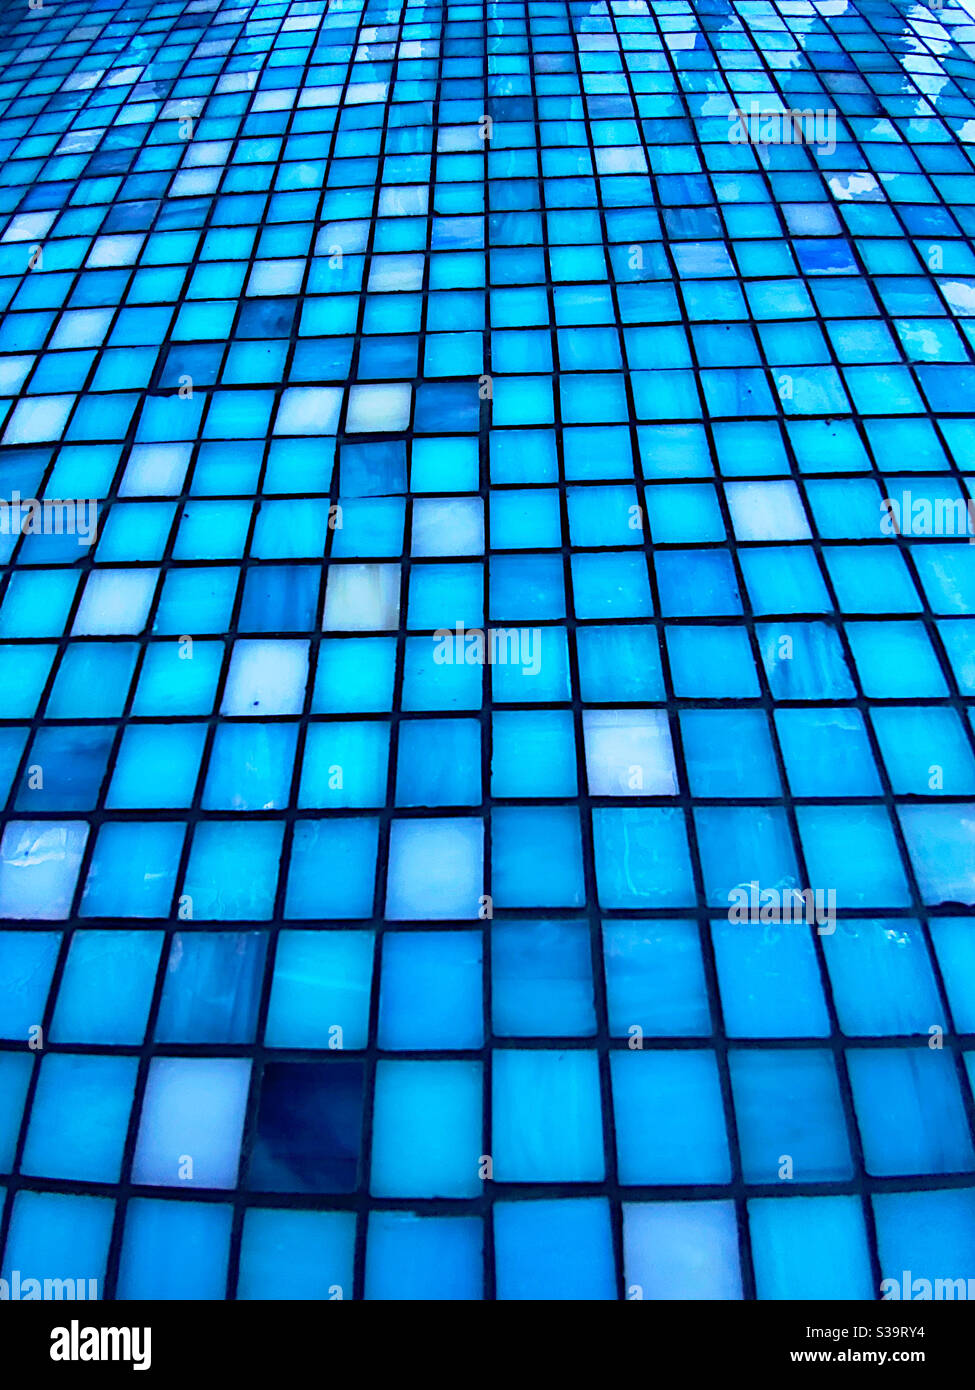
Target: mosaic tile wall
[{"x": 349, "y": 953}]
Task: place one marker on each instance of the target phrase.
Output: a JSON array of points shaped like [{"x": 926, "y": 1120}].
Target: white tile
[
  {"x": 362, "y": 598},
  {"x": 629, "y": 753}
]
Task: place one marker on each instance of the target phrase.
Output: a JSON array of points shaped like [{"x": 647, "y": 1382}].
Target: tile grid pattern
[{"x": 794, "y": 477}]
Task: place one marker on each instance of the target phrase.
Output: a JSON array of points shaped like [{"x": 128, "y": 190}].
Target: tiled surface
[{"x": 587, "y": 370}]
